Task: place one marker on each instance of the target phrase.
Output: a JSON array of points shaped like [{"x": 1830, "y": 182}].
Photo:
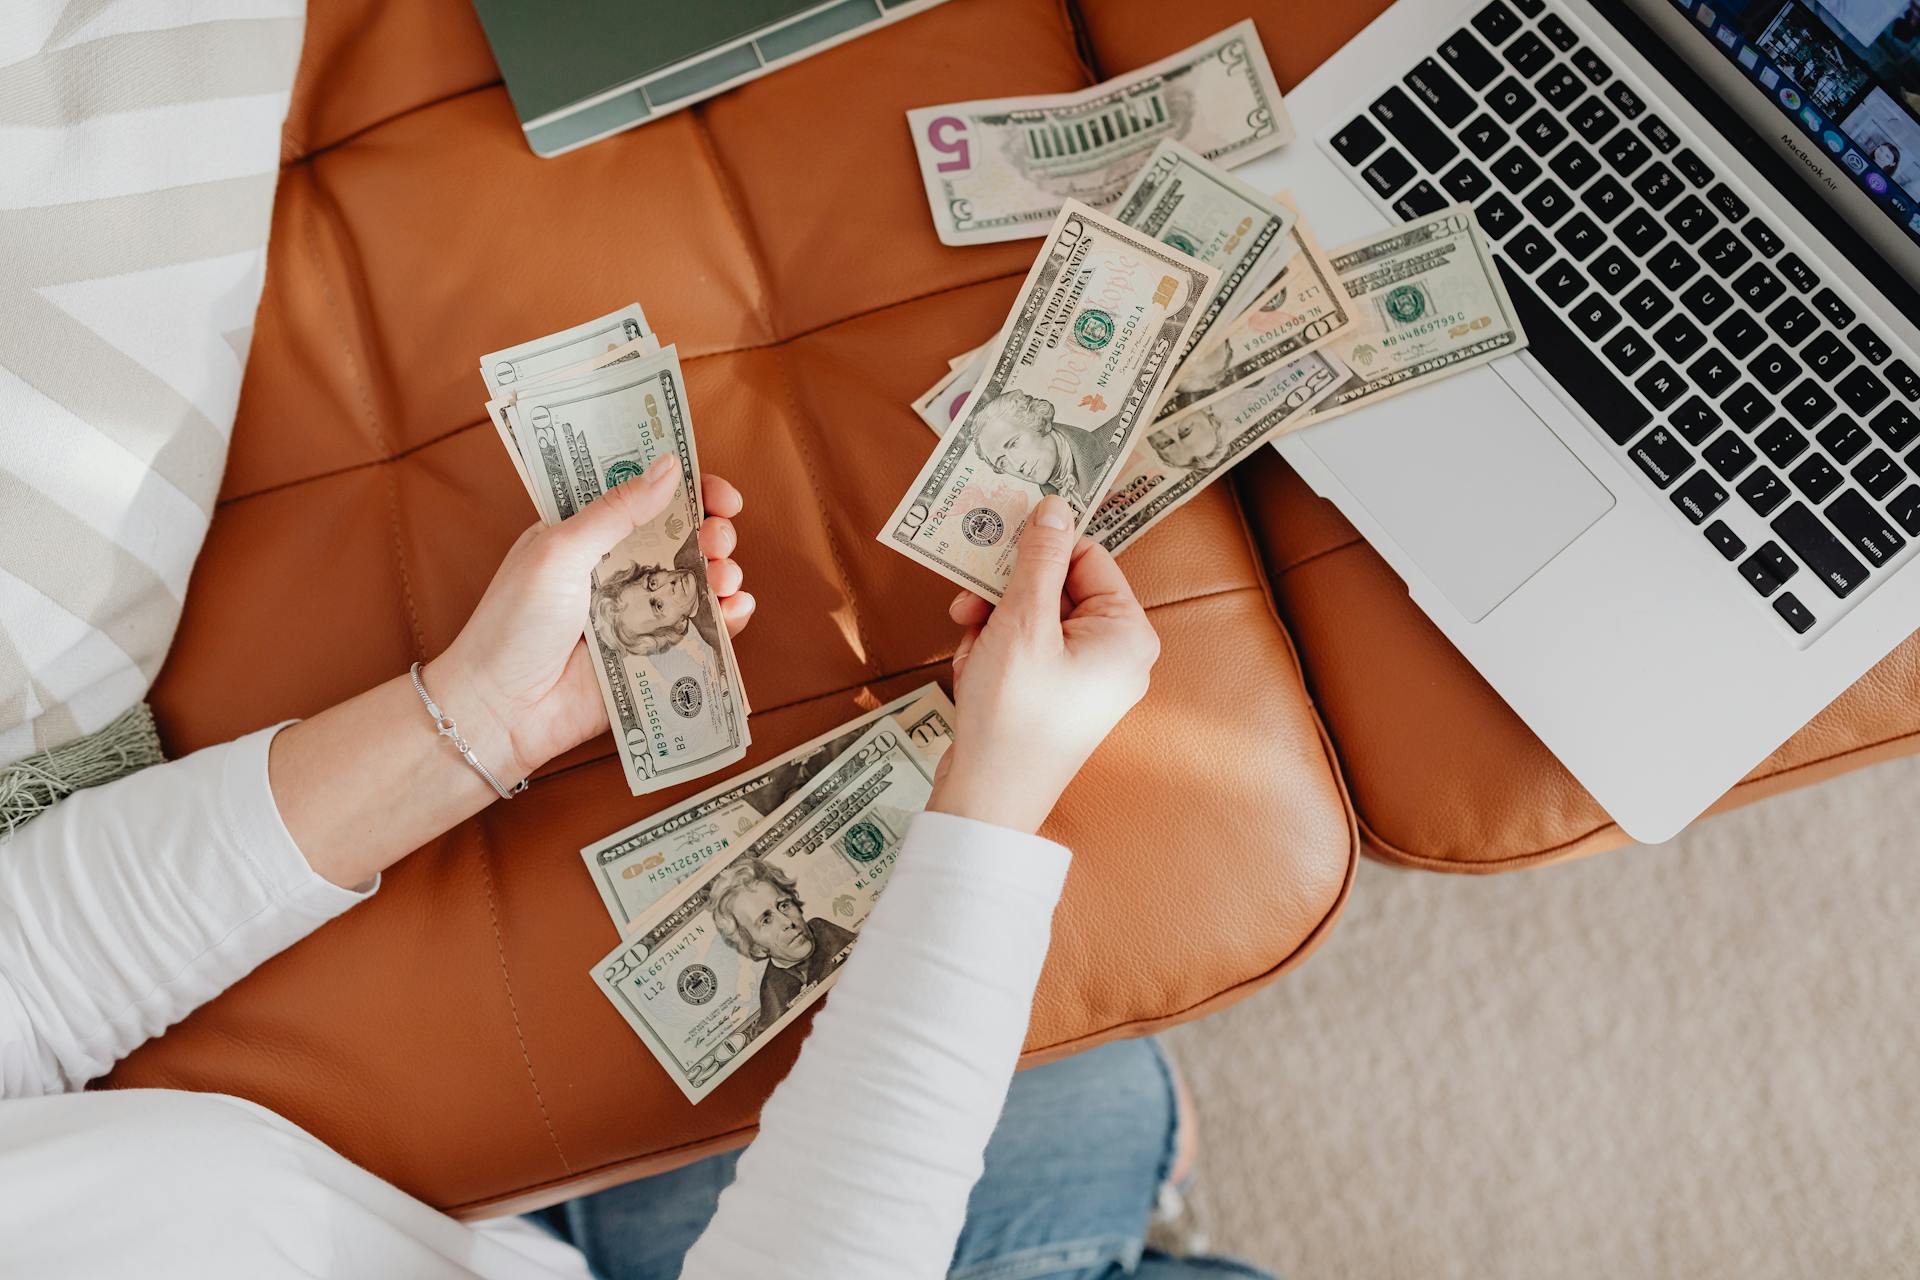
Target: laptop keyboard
[{"x": 1736, "y": 380}]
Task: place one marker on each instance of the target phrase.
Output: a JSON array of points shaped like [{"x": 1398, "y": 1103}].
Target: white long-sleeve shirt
[{"x": 129, "y": 905}]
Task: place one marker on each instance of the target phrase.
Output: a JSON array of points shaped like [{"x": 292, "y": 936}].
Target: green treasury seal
[
  {"x": 622, "y": 471},
  {"x": 863, "y": 842},
  {"x": 1093, "y": 328},
  {"x": 1405, "y": 303}
]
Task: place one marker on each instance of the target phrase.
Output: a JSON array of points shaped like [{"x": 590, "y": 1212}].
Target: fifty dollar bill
[
  {"x": 1068, "y": 385},
  {"x": 1001, "y": 168},
  {"x": 735, "y": 954}
]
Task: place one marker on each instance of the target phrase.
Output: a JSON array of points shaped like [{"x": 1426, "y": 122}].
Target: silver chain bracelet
[{"x": 447, "y": 729}]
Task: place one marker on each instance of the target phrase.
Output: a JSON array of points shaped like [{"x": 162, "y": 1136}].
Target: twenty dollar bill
[
  {"x": 735, "y": 954},
  {"x": 1189, "y": 451},
  {"x": 1433, "y": 305},
  {"x": 1001, "y": 168},
  {"x": 658, "y": 644},
  {"x": 1066, "y": 388},
  {"x": 635, "y": 867},
  {"x": 508, "y": 370},
  {"x": 1304, "y": 309},
  {"x": 1183, "y": 200}
]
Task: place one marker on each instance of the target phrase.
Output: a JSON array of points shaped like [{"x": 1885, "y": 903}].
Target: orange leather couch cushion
[
  {"x": 1443, "y": 774},
  {"x": 445, "y": 1034}
]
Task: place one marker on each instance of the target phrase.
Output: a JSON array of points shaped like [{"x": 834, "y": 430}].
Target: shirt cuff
[
  {"x": 260, "y": 836},
  {"x": 976, "y": 851}
]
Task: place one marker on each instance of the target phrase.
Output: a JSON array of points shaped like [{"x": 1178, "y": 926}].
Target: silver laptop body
[{"x": 1623, "y": 625}]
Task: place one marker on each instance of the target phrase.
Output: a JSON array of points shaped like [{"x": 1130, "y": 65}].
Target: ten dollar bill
[{"x": 1068, "y": 384}]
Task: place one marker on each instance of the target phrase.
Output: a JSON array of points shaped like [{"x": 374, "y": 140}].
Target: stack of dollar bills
[
  {"x": 579, "y": 412},
  {"x": 738, "y": 907},
  {"x": 1076, "y": 395}
]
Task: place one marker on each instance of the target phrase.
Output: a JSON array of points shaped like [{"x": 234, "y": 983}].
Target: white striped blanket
[{"x": 139, "y": 146}]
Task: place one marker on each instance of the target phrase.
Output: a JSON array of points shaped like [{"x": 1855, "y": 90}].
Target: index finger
[
  {"x": 719, "y": 497},
  {"x": 1092, "y": 575}
]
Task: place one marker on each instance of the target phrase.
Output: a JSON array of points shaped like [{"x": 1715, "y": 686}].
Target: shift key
[
  {"x": 1414, "y": 130},
  {"x": 1819, "y": 550}
]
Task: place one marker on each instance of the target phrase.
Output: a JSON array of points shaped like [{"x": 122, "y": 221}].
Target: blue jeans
[{"x": 1073, "y": 1171}]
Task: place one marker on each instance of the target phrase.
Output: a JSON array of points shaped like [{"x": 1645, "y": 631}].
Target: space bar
[{"x": 1574, "y": 364}]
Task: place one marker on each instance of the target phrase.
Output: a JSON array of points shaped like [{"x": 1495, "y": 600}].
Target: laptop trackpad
[{"x": 1475, "y": 489}]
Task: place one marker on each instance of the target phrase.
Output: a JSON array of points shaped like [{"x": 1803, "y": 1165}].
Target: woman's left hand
[{"x": 518, "y": 676}]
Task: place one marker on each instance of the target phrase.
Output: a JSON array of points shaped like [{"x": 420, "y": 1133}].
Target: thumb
[
  {"x": 1040, "y": 565},
  {"x": 590, "y": 533}
]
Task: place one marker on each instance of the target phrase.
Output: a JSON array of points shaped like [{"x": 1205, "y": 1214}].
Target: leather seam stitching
[
  {"x": 513, "y": 1006},
  {"x": 743, "y": 229},
  {"x": 371, "y": 415},
  {"x": 756, "y": 255},
  {"x": 826, "y": 518},
  {"x": 1306, "y": 560},
  {"x": 413, "y": 618},
  {"x": 1393, "y": 853},
  {"x": 772, "y": 345},
  {"x": 347, "y": 139}
]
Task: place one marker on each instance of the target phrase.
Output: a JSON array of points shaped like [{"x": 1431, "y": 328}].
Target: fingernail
[
  {"x": 1052, "y": 513},
  {"x": 663, "y": 465}
]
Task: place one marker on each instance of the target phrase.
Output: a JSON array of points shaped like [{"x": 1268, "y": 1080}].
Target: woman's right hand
[{"x": 1042, "y": 678}]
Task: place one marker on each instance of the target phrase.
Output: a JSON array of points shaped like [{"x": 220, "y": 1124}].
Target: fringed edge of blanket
[{"x": 30, "y": 787}]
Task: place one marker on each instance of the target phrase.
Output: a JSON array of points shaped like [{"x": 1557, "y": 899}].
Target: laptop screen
[{"x": 1844, "y": 77}]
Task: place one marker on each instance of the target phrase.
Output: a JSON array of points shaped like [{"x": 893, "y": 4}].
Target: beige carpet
[{"x": 1695, "y": 1060}]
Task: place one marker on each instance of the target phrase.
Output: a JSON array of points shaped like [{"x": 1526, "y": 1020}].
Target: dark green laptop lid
[{"x": 554, "y": 55}]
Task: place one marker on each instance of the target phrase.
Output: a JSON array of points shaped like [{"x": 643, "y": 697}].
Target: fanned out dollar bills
[
  {"x": 1002, "y": 168},
  {"x": 580, "y": 412},
  {"x": 757, "y": 921},
  {"x": 1068, "y": 384},
  {"x": 1302, "y": 310},
  {"x": 1184, "y": 454},
  {"x": 1198, "y": 208},
  {"x": 1329, "y": 334}
]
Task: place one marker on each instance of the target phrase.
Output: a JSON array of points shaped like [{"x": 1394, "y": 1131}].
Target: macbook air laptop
[{"x": 1686, "y": 518}]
